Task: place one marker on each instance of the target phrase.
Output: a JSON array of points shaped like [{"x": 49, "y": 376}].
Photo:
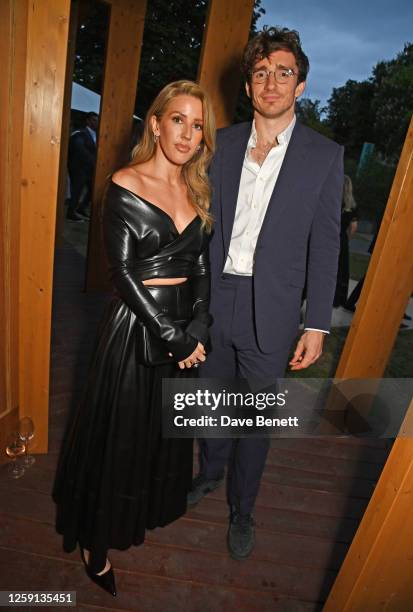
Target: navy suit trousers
[{"x": 235, "y": 353}]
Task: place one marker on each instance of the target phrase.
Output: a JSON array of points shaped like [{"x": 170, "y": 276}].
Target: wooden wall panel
[
  {"x": 47, "y": 35},
  {"x": 13, "y": 32},
  {"x": 117, "y": 106},
  {"x": 226, "y": 34}
]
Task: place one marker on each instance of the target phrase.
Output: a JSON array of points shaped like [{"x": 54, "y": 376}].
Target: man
[
  {"x": 81, "y": 165},
  {"x": 277, "y": 189}
]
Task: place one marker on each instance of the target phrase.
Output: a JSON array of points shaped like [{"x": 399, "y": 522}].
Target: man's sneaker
[
  {"x": 83, "y": 213},
  {"x": 201, "y": 486},
  {"x": 73, "y": 216},
  {"x": 241, "y": 536}
]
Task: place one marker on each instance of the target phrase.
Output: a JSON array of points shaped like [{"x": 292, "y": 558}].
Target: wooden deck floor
[{"x": 312, "y": 498}]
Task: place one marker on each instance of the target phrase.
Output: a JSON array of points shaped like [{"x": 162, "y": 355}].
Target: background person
[
  {"x": 347, "y": 231},
  {"x": 81, "y": 163}
]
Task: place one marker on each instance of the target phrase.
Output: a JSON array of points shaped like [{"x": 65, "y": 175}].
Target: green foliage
[
  {"x": 171, "y": 46},
  {"x": 372, "y": 187},
  {"x": 376, "y": 110},
  {"x": 309, "y": 112},
  {"x": 90, "y": 46}
]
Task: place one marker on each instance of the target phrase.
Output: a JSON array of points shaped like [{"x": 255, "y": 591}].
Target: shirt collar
[
  {"x": 283, "y": 137},
  {"x": 92, "y": 133}
]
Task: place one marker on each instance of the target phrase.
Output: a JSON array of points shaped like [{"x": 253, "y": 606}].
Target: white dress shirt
[
  {"x": 92, "y": 133},
  {"x": 256, "y": 186}
]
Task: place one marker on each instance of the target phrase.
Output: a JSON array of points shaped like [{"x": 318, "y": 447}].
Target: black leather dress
[{"x": 116, "y": 475}]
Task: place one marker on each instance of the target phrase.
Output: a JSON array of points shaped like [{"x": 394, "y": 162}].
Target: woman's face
[{"x": 180, "y": 129}]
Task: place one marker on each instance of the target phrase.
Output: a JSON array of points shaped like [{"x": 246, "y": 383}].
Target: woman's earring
[
  {"x": 198, "y": 148},
  {"x": 155, "y": 137}
]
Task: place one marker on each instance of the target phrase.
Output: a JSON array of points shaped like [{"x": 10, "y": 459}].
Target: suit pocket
[{"x": 295, "y": 278}]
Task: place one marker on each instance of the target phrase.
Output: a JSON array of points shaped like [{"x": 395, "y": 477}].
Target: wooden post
[
  {"x": 47, "y": 34},
  {"x": 115, "y": 124},
  {"x": 13, "y": 34},
  {"x": 64, "y": 143},
  {"x": 388, "y": 283},
  {"x": 376, "y": 573},
  {"x": 226, "y": 34}
]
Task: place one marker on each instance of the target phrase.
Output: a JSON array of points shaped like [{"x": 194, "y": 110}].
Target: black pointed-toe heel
[{"x": 105, "y": 581}]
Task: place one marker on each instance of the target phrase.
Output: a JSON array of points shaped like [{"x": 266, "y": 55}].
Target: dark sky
[{"x": 343, "y": 40}]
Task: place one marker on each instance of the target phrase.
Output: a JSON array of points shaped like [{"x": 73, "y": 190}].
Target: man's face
[
  {"x": 272, "y": 99},
  {"x": 93, "y": 123}
]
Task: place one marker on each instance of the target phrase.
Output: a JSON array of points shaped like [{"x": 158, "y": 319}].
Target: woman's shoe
[{"x": 106, "y": 581}]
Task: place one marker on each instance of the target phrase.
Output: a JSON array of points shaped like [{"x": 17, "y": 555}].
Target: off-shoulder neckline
[{"x": 139, "y": 197}]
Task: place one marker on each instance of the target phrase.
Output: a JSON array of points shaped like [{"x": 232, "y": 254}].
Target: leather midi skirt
[{"x": 116, "y": 475}]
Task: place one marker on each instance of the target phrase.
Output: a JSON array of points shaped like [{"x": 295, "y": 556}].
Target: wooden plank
[
  {"x": 65, "y": 135},
  {"x": 385, "y": 294},
  {"x": 117, "y": 105},
  {"x": 377, "y": 570},
  {"x": 226, "y": 34},
  {"x": 13, "y": 32},
  {"x": 136, "y": 590},
  {"x": 47, "y": 30},
  {"x": 205, "y": 562},
  {"x": 376, "y": 573},
  {"x": 38, "y": 506}
]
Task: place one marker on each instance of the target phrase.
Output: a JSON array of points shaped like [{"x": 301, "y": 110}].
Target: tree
[
  {"x": 392, "y": 104},
  {"x": 349, "y": 115},
  {"x": 376, "y": 110},
  {"x": 309, "y": 112},
  {"x": 171, "y": 46}
]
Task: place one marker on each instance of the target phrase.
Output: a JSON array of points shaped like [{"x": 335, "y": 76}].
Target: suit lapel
[
  {"x": 289, "y": 177},
  {"x": 232, "y": 160}
]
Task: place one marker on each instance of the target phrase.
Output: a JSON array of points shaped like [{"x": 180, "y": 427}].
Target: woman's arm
[
  {"x": 119, "y": 243},
  {"x": 201, "y": 320}
]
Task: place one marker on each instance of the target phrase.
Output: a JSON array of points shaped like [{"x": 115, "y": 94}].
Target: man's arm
[{"x": 324, "y": 247}]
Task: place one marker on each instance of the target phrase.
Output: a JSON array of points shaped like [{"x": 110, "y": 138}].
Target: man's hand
[
  {"x": 309, "y": 348},
  {"x": 198, "y": 356}
]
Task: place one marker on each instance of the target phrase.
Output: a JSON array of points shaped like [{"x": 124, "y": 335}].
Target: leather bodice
[
  {"x": 157, "y": 249},
  {"x": 142, "y": 242}
]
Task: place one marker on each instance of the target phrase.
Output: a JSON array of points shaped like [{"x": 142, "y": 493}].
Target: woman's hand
[{"x": 198, "y": 356}]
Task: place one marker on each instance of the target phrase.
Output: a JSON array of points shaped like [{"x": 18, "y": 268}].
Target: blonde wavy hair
[
  {"x": 194, "y": 172},
  {"x": 349, "y": 202}
]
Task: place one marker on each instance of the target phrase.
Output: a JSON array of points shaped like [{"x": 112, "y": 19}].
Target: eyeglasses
[{"x": 281, "y": 75}]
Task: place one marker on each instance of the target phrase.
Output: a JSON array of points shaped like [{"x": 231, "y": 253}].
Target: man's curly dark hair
[{"x": 274, "y": 39}]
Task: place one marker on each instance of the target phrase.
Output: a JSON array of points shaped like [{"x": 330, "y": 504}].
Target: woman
[
  {"x": 116, "y": 475},
  {"x": 348, "y": 228}
]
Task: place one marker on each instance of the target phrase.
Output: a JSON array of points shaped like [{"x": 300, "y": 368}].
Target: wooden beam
[
  {"x": 226, "y": 34},
  {"x": 115, "y": 124},
  {"x": 377, "y": 571},
  {"x": 47, "y": 35},
  {"x": 13, "y": 33},
  {"x": 67, "y": 100},
  {"x": 389, "y": 281}
]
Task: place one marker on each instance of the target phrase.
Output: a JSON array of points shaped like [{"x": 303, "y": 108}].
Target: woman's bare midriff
[{"x": 164, "y": 281}]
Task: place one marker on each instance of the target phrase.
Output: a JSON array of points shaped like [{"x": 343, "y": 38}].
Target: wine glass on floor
[
  {"x": 15, "y": 448},
  {"x": 26, "y": 431}
]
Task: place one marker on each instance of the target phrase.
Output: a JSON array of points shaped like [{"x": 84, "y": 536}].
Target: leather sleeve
[
  {"x": 119, "y": 245},
  {"x": 198, "y": 327}
]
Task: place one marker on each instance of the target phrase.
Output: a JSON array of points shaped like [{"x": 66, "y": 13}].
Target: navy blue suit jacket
[{"x": 300, "y": 233}]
